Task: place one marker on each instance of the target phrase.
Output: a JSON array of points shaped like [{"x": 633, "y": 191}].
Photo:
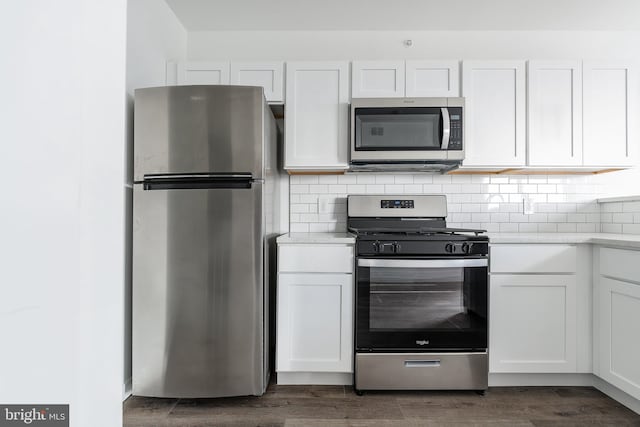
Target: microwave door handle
[{"x": 446, "y": 128}]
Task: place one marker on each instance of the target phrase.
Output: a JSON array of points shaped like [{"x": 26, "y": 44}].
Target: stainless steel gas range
[{"x": 421, "y": 296}]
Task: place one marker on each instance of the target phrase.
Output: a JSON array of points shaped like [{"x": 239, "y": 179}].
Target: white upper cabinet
[
  {"x": 395, "y": 79},
  {"x": 317, "y": 114},
  {"x": 432, "y": 78},
  {"x": 203, "y": 73},
  {"x": 610, "y": 114},
  {"x": 495, "y": 112},
  {"x": 555, "y": 113},
  {"x": 378, "y": 79},
  {"x": 269, "y": 75}
]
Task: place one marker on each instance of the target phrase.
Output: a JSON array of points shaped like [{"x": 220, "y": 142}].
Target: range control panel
[{"x": 396, "y": 204}]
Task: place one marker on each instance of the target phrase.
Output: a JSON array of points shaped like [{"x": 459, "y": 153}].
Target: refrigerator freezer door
[
  {"x": 198, "y": 292},
  {"x": 198, "y": 129}
]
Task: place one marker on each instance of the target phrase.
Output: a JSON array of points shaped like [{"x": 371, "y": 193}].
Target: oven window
[
  {"x": 419, "y": 299},
  {"x": 382, "y": 129}
]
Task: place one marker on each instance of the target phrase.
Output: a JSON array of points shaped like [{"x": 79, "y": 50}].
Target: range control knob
[
  {"x": 376, "y": 247},
  {"x": 396, "y": 247},
  {"x": 465, "y": 248},
  {"x": 450, "y": 248}
]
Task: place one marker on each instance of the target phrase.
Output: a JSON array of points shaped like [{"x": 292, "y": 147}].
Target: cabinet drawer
[
  {"x": 315, "y": 258},
  {"x": 533, "y": 258},
  {"x": 620, "y": 264}
]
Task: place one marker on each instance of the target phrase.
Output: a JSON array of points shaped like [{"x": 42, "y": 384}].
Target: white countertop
[
  {"x": 620, "y": 240},
  {"x": 631, "y": 241},
  {"x": 291, "y": 238}
]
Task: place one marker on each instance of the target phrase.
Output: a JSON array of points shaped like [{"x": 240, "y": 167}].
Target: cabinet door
[
  {"x": 532, "y": 323},
  {"x": 610, "y": 114},
  {"x": 619, "y": 317},
  {"x": 315, "y": 323},
  {"x": 269, "y": 75},
  {"x": 377, "y": 79},
  {"x": 555, "y": 113},
  {"x": 432, "y": 78},
  {"x": 495, "y": 112},
  {"x": 316, "y": 111},
  {"x": 203, "y": 73}
]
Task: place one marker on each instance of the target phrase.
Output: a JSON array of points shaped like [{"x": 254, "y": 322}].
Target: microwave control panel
[{"x": 455, "y": 137}]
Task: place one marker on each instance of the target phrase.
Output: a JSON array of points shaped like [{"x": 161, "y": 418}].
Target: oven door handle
[{"x": 422, "y": 263}]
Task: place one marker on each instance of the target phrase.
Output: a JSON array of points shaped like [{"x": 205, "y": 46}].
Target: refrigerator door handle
[{"x": 197, "y": 181}]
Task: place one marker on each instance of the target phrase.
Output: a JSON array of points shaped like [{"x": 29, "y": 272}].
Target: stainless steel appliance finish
[
  {"x": 428, "y": 205},
  {"x": 204, "y": 226},
  {"x": 182, "y": 129},
  {"x": 421, "y": 296},
  {"x": 422, "y": 371},
  {"x": 418, "y": 134}
]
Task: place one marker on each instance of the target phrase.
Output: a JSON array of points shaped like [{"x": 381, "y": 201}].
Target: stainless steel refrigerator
[{"x": 204, "y": 224}]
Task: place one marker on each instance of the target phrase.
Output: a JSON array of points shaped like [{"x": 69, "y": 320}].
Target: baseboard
[
  {"x": 616, "y": 394},
  {"x": 540, "y": 380},
  {"x": 126, "y": 389},
  {"x": 314, "y": 378}
]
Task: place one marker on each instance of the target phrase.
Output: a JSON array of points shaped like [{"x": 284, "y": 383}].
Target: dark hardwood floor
[{"x": 337, "y": 406}]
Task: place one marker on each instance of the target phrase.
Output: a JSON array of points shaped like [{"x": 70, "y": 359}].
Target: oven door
[{"x": 421, "y": 304}]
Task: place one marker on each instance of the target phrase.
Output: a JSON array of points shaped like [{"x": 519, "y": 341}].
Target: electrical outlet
[
  {"x": 323, "y": 204},
  {"x": 528, "y": 206}
]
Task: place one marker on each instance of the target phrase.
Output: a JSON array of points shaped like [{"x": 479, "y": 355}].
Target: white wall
[
  {"x": 62, "y": 117},
  {"x": 154, "y": 36},
  {"x": 330, "y": 45}
]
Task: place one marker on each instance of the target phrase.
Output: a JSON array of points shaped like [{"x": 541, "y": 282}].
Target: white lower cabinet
[
  {"x": 534, "y": 308},
  {"x": 618, "y": 320},
  {"x": 533, "y": 323},
  {"x": 314, "y": 320}
]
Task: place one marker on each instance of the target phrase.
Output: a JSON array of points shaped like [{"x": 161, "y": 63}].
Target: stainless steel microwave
[{"x": 407, "y": 133}]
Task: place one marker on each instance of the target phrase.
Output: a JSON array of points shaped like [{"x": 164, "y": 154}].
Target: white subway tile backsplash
[
  {"x": 413, "y": 188},
  {"x": 508, "y": 188},
  {"x": 611, "y": 228},
  {"x": 560, "y": 203},
  {"x": 432, "y": 188},
  {"x": 365, "y": 179},
  {"x": 518, "y": 217},
  {"x": 356, "y": 188},
  {"x": 404, "y": 179},
  {"x": 631, "y": 228},
  {"x": 305, "y": 179},
  {"x": 442, "y": 179},
  {"x": 375, "y": 188},
  {"x": 423, "y": 179},
  {"x": 575, "y": 217},
  {"x": 567, "y": 228},
  {"x": 338, "y": 188},
  {"x": 528, "y": 228},
  {"x": 347, "y": 179},
  {"x": 299, "y": 189},
  {"x": 557, "y": 217},
  {"x": 299, "y": 227},
  {"x": 587, "y": 228},
  {"x": 461, "y": 179},
  {"x": 623, "y": 218},
  {"x": 327, "y": 179},
  {"x": 508, "y": 227},
  {"x": 319, "y": 188},
  {"x": 480, "y": 217},
  {"x": 385, "y": 179},
  {"x": 393, "y": 188},
  {"x": 547, "y": 228},
  {"x": 499, "y": 217}
]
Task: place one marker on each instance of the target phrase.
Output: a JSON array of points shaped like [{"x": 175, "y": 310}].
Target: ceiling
[{"x": 411, "y": 15}]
